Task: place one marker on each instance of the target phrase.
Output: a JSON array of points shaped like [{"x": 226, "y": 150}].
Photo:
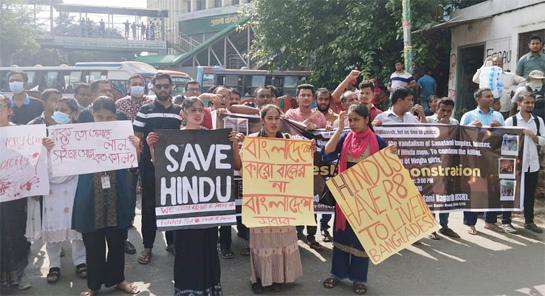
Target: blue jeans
[
  {"x": 443, "y": 219},
  {"x": 470, "y": 218},
  {"x": 324, "y": 222}
]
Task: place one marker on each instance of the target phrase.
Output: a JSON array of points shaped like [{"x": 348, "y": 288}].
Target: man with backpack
[{"x": 534, "y": 131}]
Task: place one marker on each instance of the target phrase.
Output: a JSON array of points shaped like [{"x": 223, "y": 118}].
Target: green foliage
[
  {"x": 17, "y": 32},
  {"x": 42, "y": 56},
  {"x": 331, "y": 37}
]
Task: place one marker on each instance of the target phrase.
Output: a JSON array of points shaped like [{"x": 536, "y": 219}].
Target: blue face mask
[
  {"x": 60, "y": 118},
  {"x": 17, "y": 87},
  {"x": 137, "y": 91}
]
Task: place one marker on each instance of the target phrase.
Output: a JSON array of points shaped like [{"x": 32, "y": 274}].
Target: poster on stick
[
  {"x": 194, "y": 179},
  {"x": 85, "y": 148},
  {"x": 277, "y": 187},
  {"x": 23, "y": 162},
  {"x": 382, "y": 205}
]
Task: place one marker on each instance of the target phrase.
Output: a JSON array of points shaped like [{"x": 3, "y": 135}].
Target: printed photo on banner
[
  {"x": 506, "y": 168},
  {"x": 277, "y": 186},
  {"x": 382, "y": 205},
  {"x": 510, "y": 145},
  {"x": 23, "y": 162},
  {"x": 240, "y": 125},
  {"x": 508, "y": 188},
  {"x": 85, "y": 148},
  {"x": 194, "y": 179}
]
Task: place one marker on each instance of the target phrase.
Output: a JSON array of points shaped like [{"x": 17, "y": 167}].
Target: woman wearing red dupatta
[{"x": 349, "y": 258}]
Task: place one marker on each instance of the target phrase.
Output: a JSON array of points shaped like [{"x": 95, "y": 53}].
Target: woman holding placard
[
  {"x": 196, "y": 264},
  {"x": 102, "y": 213},
  {"x": 58, "y": 205},
  {"x": 349, "y": 258},
  {"x": 274, "y": 252},
  {"x": 14, "y": 247}
]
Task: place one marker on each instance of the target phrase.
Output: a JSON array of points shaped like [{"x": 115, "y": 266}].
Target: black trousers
[
  {"x": 101, "y": 268},
  {"x": 149, "y": 224},
  {"x": 225, "y": 237},
  {"x": 530, "y": 183}
]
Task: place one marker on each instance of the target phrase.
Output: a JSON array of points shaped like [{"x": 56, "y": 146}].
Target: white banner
[
  {"x": 23, "y": 162},
  {"x": 85, "y": 148}
]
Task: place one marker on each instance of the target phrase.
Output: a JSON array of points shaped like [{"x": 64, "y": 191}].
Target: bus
[
  {"x": 65, "y": 78},
  {"x": 246, "y": 81}
]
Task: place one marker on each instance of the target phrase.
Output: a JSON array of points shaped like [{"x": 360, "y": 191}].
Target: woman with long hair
[
  {"x": 349, "y": 258},
  {"x": 274, "y": 252},
  {"x": 196, "y": 265}
]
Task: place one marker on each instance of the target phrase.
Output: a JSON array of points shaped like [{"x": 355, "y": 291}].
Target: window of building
[
  {"x": 188, "y": 6},
  {"x": 525, "y": 37},
  {"x": 236, "y": 2},
  {"x": 201, "y": 4},
  {"x": 217, "y": 3}
]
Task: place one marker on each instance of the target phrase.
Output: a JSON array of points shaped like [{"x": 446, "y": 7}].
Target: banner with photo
[
  {"x": 462, "y": 167},
  {"x": 194, "y": 179}
]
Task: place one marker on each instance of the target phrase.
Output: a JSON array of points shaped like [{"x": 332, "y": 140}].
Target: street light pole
[{"x": 407, "y": 48}]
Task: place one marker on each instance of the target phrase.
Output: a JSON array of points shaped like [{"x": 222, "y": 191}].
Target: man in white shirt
[
  {"x": 400, "y": 78},
  {"x": 511, "y": 82},
  {"x": 402, "y": 103},
  {"x": 533, "y": 137}
]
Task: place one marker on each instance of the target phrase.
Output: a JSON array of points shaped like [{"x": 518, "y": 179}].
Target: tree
[
  {"x": 332, "y": 37},
  {"x": 17, "y": 32}
]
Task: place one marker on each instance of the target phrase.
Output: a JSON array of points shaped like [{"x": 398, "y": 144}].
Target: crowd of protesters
[{"x": 99, "y": 237}]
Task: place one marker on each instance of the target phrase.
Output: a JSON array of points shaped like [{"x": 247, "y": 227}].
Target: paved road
[{"x": 487, "y": 264}]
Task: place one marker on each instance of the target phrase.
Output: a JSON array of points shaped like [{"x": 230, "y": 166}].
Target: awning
[
  {"x": 174, "y": 59},
  {"x": 111, "y": 10}
]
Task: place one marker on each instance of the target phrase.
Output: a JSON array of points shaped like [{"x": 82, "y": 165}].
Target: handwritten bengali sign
[
  {"x": 23, "y": 162},
  {"x": 194, "y": 178},
  {"x": 382, "y": 205},
  {"x": 277, "y": 187},
  {"x": 84, "y": 148}
]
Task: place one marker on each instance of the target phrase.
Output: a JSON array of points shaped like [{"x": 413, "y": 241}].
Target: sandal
[
  {"x": 89, "y": 293},
  {"x": 227, "y": 254},
  {"x": 145, "y": 257},
  {"x": 330, "y": 282},
  {"x": 129, "y": 288},
  {"x": 471, "y": 230},
  {"x": 433, "y": 236},
  {"x": 245, "y": 252},
  {"x": 315, "y": 245},
  {"x": 81, "y": 270},
  {"x": 359, "y": 288},
  {"x": 54, "y": 275}
]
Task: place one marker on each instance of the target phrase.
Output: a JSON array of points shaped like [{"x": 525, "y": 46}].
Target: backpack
[
  {"x": 536, "y": 120},
  {"x": 539, "y": 106}
]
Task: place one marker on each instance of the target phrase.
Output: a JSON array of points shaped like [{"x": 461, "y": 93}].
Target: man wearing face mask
[
  {"x": 131, "y": 104},
  {"x": 24, "y": 107}
]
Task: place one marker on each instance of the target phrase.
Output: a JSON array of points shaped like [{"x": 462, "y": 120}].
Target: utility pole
[{"x": 407, "y": 48}]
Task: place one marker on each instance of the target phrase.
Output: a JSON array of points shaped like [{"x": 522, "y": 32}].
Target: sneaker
[
  {"x": 327, "y": 236},
  {"x": 508, "y": 228},
  {"x": 129, "y": 248},
  {"x": 533, "y": 227},
  {"x": 24, "y": 283},
  {"x": 448, "y": 232},
  {"x": 493, "y": 227}
]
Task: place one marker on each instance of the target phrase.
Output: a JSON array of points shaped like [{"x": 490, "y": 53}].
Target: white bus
[{"x": 65, "y": 78}]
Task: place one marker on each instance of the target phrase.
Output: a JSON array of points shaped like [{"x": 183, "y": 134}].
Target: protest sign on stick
[
  {"x": 194, "y": 179},
  {"x": 382, "y": 205},
  {"x": 277, "y": 187},
  {"x": 85, "y": 148},
  {"x": 23, "y": 162}
]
